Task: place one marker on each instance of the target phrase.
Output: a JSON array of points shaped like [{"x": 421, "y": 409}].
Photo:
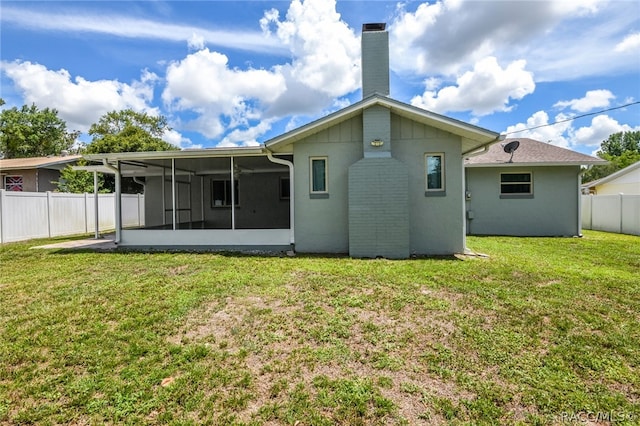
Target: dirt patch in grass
[{"x": 281, "y": 352}]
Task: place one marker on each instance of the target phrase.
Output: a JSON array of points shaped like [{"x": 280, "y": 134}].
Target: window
[
  {"x": 434, "y": 169},
  {"x": 285, "y": 188},
  {"x": 13, "y": 183},
  {"x": 221, "y": 193},
  {"x": 318, "y": 175},
  {"x": 516, "y": 184}
]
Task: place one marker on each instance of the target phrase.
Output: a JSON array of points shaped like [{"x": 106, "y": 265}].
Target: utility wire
[{"x": 572, "y": 118}]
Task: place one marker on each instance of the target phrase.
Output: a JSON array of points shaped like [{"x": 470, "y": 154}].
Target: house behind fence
[{"x": 27, "y": 215}]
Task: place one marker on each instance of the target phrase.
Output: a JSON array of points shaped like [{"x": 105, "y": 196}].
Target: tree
[
  {"x": 620, "y": 149},
  {"x": 118, "y": 131},
  {"x": 78, "y": 181},
  {"x": 32, "y": 132},
  {"x": 128, "y": 131}
]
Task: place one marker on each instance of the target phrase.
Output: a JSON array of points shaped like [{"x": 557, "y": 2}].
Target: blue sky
[{"x": 234, "y": 73}]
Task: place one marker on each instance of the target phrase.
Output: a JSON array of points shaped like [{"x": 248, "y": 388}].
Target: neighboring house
[
  {"x": 624, "y": 181},
  {"x": 534, "y": 193},
  {"x": 377, "y": 178},
  {"x": 34, "y": 174}
]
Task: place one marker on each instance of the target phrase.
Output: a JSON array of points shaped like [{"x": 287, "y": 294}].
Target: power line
[{"x": 572, "y": 118}]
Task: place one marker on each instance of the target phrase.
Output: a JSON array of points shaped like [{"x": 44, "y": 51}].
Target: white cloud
[
  {"x": 485, "y": 89},
  {"x": 564, "y": 134},
  {"x": 204, "y": 78},
  {"x": 175, "y": 138},
  {"x": 630, "y": 43},
  {"x": 246, "y": 137},
  {"x": 224, "y": 98},
  {"x": 541, "y": 131},
  {"x": 323, "y": 46},
  {"x": 69, "y": 21},
  {"x": 602, "y": 126},
  {"x": 443, "y": 37},
  {"x": 79, "y": 102},
  {"x": 593, "y": 99},
  {"x": 196, "y": 42}
]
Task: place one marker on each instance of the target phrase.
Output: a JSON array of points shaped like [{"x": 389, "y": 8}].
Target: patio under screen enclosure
[{"x": 208, "y": 198}]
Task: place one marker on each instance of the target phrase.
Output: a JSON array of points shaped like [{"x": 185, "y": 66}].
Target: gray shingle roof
[{"x": 531, "y": 152}]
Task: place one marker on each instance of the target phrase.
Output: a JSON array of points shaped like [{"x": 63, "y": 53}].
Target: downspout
[
  {"x": 478, "y": 151},
  {"x": 143, "y": 184},
  {"x": 116, "y": 171},
  {"x": 580, "y": 173},
  {"x": 289, "y": 164},
  {"x": 484, "y": 148}
]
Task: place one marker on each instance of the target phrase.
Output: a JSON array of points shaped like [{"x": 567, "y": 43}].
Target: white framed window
[
  {"x": 516, "y": 183},
  {"x": 13, "y": 183},
  {"x": 319, "y": 179},
  {"x": 221, "y": 193},
  {"x": 434, "y": 172}
]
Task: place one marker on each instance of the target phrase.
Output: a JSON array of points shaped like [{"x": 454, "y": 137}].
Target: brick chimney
[{"x": 375, "y": 59}]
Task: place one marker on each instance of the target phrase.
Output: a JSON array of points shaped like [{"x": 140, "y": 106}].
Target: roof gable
[
  {"x": 614, "y": 175},
  {"x": 531, "y": 152},
  {"x": 473, "y": 137}
]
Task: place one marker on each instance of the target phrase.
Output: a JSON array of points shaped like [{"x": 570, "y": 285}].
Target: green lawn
[{"x": 543, "y": 331}]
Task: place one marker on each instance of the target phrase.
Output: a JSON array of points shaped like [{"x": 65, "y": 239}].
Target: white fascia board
[
  {"x": 191, "y": 153},
  {"x": 537, "y": 164},
  {"x": 474, "y": 134}
]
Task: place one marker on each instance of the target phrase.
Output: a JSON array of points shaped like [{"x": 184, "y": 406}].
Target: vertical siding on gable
[
  {"x": 321, "y": 225},
  {"x": 436, "y": 223}
]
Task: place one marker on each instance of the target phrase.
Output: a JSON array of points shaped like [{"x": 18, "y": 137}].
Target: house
[
  {"x": 624, "y": 181},
  {"x": 525, "y": 187},
  {"x": 377, "y": 178},
  {"x": 35, "y": 174}
]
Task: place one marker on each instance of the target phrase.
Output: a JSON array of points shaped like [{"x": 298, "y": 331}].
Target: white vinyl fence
[
  {"x": 27, "y": 215},
  {"x": 612, "y": 213}
]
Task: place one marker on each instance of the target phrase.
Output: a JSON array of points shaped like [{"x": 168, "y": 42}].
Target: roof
[
  {"x": 613, "y": 175},
  {"x": 473, "y": 137},
  {"x": 531, "y": 152},
  {"x": 54, "y": 162},
  {"x": 186, "y": 153}
]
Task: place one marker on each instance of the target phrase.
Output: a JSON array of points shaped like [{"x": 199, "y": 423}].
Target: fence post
[
  {"x": 86, "y": 213},
  {"x": 2, "y": 204},
  {"x": 621, "y": 212},
  {"x": 49, "y": 201}
]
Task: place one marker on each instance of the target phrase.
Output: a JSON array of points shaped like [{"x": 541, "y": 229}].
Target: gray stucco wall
[
  {"x": 321, "y": 224},
  {"x": 437, "y": 220},
  {"x": 552, "y": 211}
]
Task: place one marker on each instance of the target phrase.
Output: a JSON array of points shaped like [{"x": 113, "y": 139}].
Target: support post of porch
[
  {"x": 173, "y": 192},
  {"x": 232, "y": 184}
]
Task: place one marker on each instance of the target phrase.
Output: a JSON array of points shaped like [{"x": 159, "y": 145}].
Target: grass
[{"x": 544, "y": 331}]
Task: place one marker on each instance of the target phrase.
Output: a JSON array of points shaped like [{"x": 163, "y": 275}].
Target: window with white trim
[
  {"x": 434, "y": 172},
  {"x": 221, "y": 193},
  {"x": 13, "y": 183},
  {"x": 520, "y": 183},
  {"x": 319, "y": 176}
]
